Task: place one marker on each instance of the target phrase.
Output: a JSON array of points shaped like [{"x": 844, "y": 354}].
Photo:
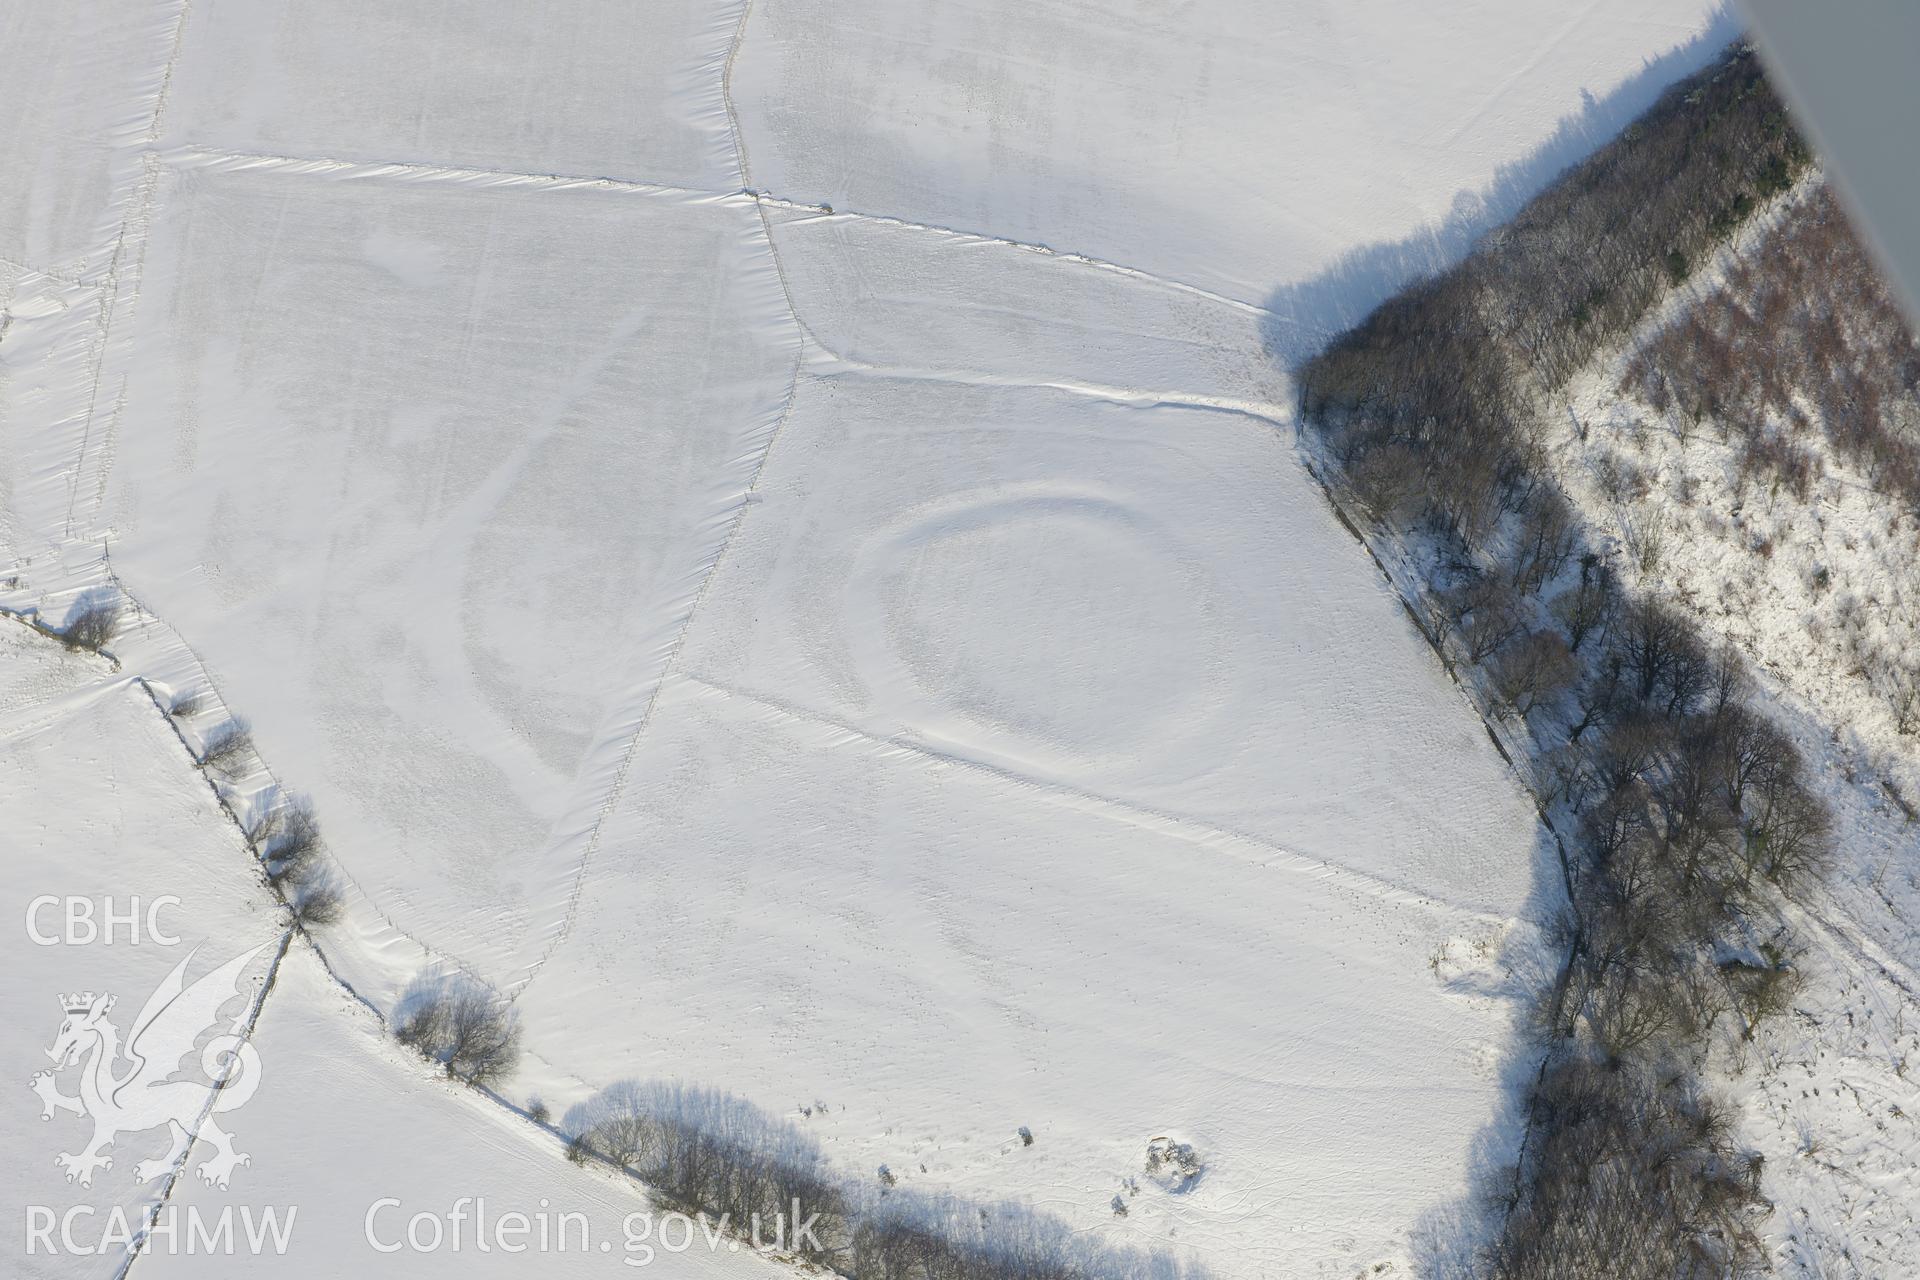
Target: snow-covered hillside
[
  {"x": 772, "y": 533},
  {"x": 398, "y": 1143},
  {"x": 105, "y": 816},
  {"x": 1816, "y": 586}
]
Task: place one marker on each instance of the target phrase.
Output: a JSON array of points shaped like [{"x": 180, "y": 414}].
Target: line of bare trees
[
  {"x": 706, "y": 1151},
  {"x": 1685, "y": 811},
  {"x": 1627, "y": 1158},
  {"x": 1431, "y": 404},
  {"x": 1691, "y": 811},
  {"x": 283, "y": 830}
]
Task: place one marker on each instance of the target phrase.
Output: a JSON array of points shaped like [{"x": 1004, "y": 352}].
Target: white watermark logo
[
  {"x": 166, "y": 1230},
  {"x": 78, "y": 922},
  {"x": 469, "y": 1225},
  {"x": 127, "y": 1088}
]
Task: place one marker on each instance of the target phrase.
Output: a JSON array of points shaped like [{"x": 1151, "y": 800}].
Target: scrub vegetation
[{"x": 1683, "y": 814}]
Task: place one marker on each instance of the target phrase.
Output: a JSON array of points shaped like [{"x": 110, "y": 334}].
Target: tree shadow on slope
[
  {"x": 1306, "y": 314},
  {"x": 1450, "y": 1240}
]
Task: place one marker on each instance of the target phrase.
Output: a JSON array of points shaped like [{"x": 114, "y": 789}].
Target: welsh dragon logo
[{"x": 149, "y": 1091}]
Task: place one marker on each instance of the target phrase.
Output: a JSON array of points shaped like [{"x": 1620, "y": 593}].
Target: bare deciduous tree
[
  {"x": 1489, "y": 614},
  {"x": 316, "y": 898},
  {"x": 461, "y": 1023},
  {"x": 290, "y": 844},
  {"x": 92, "y": 622},
  {"x": 1787, "y": 831},
  {"x": 228, "y": 748},
  {"x": 1548, "y": 528},
  {"x": 1535, "y": 668},
  {"x": 1587, "y": 609}
]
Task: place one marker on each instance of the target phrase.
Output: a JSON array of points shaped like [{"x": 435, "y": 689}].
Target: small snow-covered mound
[{"x": 1173, "y": 1165}]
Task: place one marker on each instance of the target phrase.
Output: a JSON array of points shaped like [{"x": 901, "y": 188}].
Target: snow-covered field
[
  {"x": 773, "y": 533},
  {"x": 103, "y": 810},
  {"x": 397, "y": 1142}
]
